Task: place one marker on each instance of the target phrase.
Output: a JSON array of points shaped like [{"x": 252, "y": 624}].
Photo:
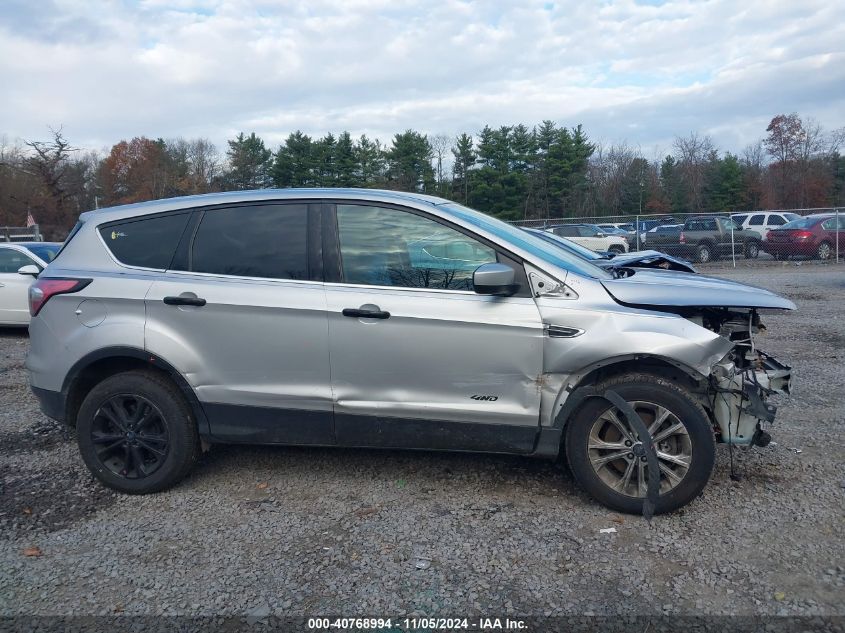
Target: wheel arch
[
  {"x": 575, "y": 394},
  {"x": 92, "y": 368}
]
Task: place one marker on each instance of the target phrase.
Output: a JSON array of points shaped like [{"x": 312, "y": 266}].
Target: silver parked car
[{"x": 342, "y": 317}]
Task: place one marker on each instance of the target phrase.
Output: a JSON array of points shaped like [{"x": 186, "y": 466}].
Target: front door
[
  {"x": 242, "y": 315},
  {"x": 417, "y": 358},
  {"x": 14, "y": 287}
]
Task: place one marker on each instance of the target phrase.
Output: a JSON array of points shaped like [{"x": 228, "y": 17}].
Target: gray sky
[{"x": 641, "y": 72}]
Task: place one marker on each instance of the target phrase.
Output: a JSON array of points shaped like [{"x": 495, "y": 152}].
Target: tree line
[{"x": 513, "y": 172}]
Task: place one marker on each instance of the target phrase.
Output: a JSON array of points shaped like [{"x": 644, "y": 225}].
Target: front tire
[
  {"x": 752, "y": 249},
  {"x": 599, "y": 445},
  {"x": 136, "y": 433}
]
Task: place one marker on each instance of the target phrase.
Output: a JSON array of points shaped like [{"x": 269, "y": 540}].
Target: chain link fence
[
  {"x": 773, "y": 234},
  {"x": 20, "y": 234}
]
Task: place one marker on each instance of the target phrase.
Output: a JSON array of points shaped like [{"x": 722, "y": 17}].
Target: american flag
[{"x": 30, "y": 221}]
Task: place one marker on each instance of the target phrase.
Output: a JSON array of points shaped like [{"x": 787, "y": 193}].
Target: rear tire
[
  {"x": 824, "y": 250},
  {"x": 692, "y": 444},
  {"x": 136, "y": 433},
  {"x": 704, "y": 253},
  {"x": 615, "y": 249}
]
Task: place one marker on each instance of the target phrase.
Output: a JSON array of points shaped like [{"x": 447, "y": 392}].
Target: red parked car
[{"x": 810, "y": 236}]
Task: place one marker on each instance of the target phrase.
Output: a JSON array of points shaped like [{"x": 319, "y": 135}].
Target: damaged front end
[{"x": 741, "y": 383}]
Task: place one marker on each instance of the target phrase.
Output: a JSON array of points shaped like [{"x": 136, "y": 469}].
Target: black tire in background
[
  {"x": 168, "y": 459},
  {"x": 654, "y": 389},
  {"x": 704, "y": 253},
  {"x": 752, "y": 249},
  {"x": 824, "y": 251}
]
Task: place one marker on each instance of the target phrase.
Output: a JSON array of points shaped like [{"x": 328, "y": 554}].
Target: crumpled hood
[
  {"x": 647, "y": 259},
  {"x": 669, "y": 288}
]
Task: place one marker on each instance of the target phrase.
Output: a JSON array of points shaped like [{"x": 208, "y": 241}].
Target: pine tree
[{"x": 249, "y": 163}]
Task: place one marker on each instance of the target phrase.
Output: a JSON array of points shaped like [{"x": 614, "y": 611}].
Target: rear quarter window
[{"x": 148, "y": 242}]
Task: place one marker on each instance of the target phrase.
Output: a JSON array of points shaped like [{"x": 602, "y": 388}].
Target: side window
[
  {"x": 829, "y": 225},
  {"x": 566, "y": 231},
  {"x": 11, "y": 260},
  {"x": 148, "y": 242},
  {"x": 586, "y": 231},
  {"x": 253, "y": 241},
  {"x": 776, "y": 220},
  {"x": 757, "y": 220},
  {"x": 739, "y": 219},
  {"x": 388, "y": 247},
  {"x": 709, "y": 225}
]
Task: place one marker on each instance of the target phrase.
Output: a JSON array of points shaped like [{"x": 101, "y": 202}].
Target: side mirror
[
  {"x": 29, "y": 269},
  {"x": 494, "y": 279}
]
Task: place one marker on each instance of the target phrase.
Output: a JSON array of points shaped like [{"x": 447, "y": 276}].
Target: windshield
[
  {"x": 526, "y": 241},
  {"x": 557, "y": 240},
  {"x": 46, "y": 252}
]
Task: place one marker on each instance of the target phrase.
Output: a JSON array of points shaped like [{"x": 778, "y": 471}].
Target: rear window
[
  {"x": 148, "y": 243},
  {"x": 801, "y": 223},
  {"x": 701, "y": 225}
]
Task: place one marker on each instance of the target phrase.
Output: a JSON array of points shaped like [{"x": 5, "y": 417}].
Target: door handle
[
  {"x": 184, "y": 301},
  {"x": 365, "y": 314}
]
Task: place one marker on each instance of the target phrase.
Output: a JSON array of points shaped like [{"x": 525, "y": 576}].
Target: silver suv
[{"x": 343, "y": 317}]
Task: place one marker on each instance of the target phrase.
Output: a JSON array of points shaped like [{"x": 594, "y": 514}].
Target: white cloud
[{"x": 627, "y": 71}]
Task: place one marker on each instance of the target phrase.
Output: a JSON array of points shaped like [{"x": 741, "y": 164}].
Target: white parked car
[
  {"x": 14, "y": 285},
  {"x": 592, "y": 237},
  {"x": 763, "y": 221}
]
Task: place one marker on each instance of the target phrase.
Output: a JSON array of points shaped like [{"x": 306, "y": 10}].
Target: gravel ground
[{"x": 298, "y": 531}]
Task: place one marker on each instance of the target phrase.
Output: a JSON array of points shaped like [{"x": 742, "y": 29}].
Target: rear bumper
[
  {"x": 790, "y": 248},
  {"x": 52, "y": 403}
]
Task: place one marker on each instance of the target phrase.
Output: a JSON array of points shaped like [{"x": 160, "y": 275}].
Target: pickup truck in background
[{"x": 705, "y": 239}]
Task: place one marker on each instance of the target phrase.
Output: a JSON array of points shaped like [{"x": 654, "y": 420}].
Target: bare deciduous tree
[{"x": 693, "y": 153}]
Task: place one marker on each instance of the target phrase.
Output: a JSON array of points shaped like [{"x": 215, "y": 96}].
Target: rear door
[
  {"x": 756, "y": 223},
  {"x": 829, "y": 231},
  {"x": 241, "y": 313},
  {"x": 14, "y": 287},
  {"x": 587, "y": 237},
  {"x": 418, "y": 359}
]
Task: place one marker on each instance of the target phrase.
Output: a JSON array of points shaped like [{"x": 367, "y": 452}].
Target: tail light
[
  {"x": 766, "y": 236},
  {"x": 803, "y": 235},
  {"x": 41, "y": 291},
  {"x": 683, "y": 238}
]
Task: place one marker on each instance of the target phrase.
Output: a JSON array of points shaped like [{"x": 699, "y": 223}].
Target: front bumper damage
[{"x": 741, "y": 408}]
